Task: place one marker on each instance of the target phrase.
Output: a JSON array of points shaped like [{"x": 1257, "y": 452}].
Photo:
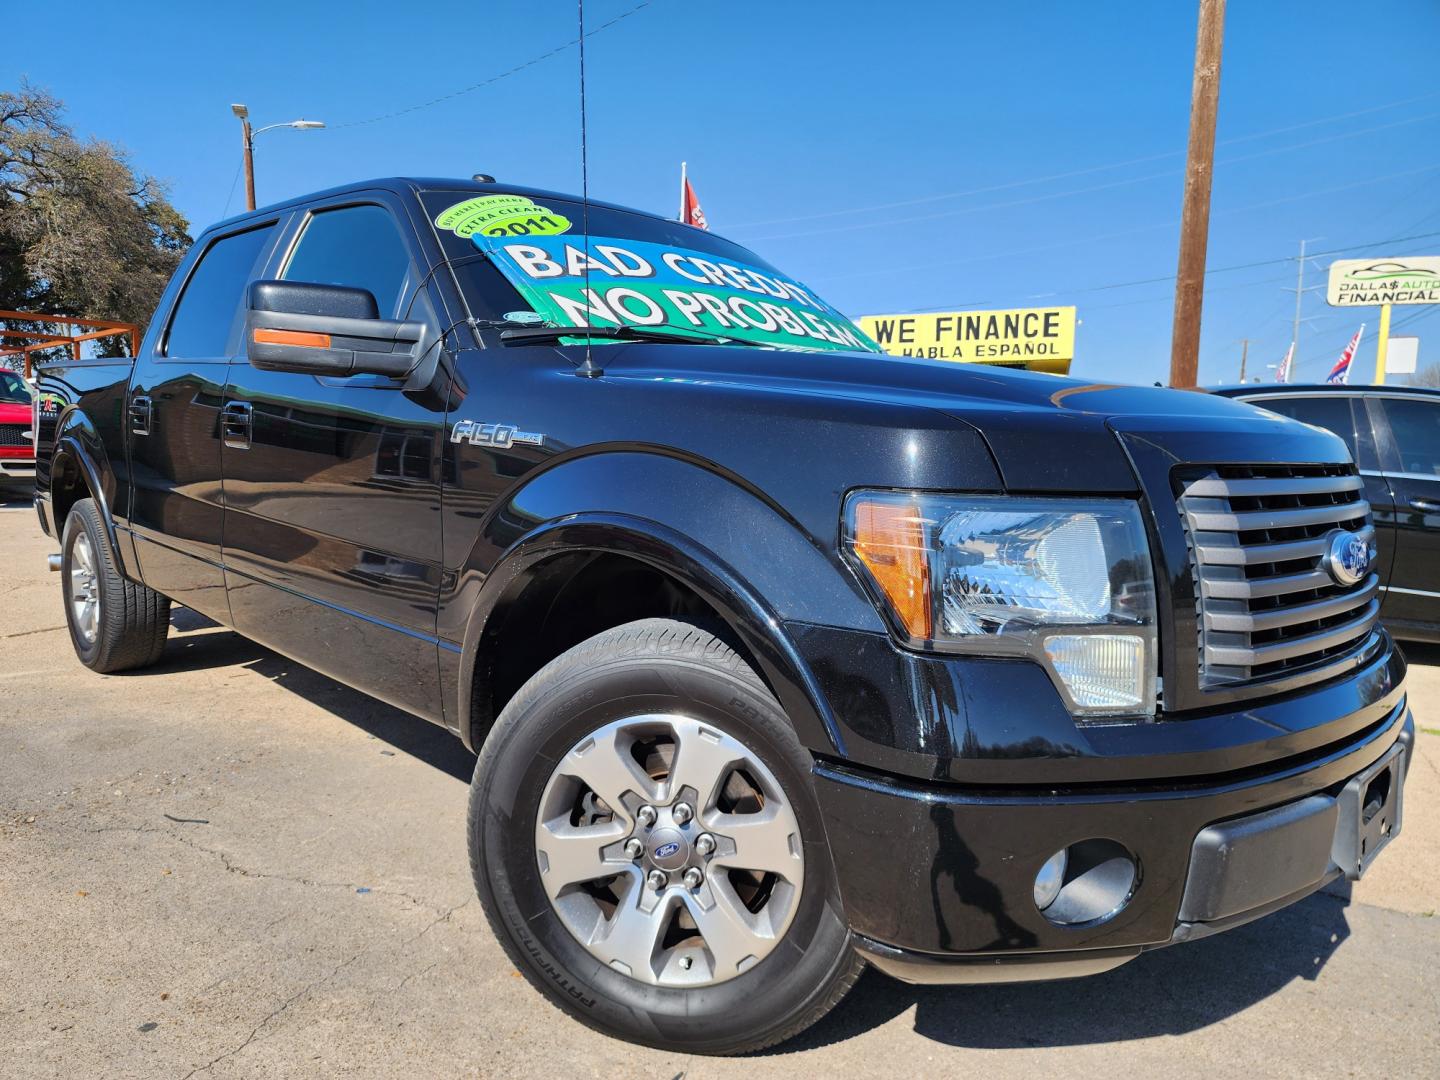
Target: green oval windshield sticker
[{"x": 502, "y": 215}]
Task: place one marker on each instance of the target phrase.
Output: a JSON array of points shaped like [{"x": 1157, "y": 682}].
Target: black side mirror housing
[{"x": 326, "y": 330}]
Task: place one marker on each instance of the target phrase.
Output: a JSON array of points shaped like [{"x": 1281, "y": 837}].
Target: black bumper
[{"x": 938, "y": 879}]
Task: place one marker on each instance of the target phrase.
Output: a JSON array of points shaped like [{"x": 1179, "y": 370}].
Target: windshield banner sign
[{"x": 636, "y": 283}]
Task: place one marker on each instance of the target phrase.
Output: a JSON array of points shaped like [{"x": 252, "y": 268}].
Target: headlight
[{"x": 1066, "y": 582}]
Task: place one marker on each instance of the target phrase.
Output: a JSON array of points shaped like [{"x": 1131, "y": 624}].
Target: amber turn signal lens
[
  {"x": 306, "y": 338},
  {"x": 889, "y": 539}
]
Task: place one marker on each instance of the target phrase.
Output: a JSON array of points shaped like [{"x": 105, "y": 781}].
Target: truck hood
[
  {"x": 1046, "y": 433},
  {"x": 11, "y": 413}
]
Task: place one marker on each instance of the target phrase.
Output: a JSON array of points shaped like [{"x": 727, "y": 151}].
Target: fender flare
[
  {"x": 692, "y": 565},
  {"x": 78, "y": 441}
]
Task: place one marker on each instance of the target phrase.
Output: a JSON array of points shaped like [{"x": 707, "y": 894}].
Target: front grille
[
  {"x": 15, "y": 435},
  {"x": 1266, "y": 604}
]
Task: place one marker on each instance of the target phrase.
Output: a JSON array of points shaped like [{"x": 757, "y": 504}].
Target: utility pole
[
  {"x": 1244, "y": 355},
  {"x": 1300, "y": 290},
  {"x": 1299, "y": 295},
  {"x": 248, "y": 137},
  {"x": 1195, "y": 217},
  {"x": 249, "y": 152}
]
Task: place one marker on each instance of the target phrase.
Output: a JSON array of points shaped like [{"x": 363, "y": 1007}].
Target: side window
[
  {"x": 1415, "y": 426},
  {"x": 205, "y": 315},
  {"x": 357, "y": 246},
  {"x": 1332, "y": 412}
]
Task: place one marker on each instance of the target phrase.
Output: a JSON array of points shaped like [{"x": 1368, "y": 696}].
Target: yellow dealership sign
[{"x": 1039, "y": 339}]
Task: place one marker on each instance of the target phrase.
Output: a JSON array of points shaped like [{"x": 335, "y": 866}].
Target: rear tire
[
  {"x": 687, "y": 998},
  {"x": 115, "y": 624}
]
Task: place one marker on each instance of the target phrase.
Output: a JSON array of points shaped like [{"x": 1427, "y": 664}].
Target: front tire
[
  {"x": 589, "y": 801},
  {"x": 115, "y": 624}
]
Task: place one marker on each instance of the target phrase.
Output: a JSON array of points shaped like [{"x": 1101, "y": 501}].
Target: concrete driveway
[{"x": 230, "y": 866}]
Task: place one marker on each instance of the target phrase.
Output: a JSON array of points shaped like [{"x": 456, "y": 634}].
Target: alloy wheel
[
  {"x": 669, "y": 850},
  {"x": 84, "y": 589}
]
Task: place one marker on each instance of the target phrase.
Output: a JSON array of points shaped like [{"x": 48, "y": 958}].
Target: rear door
[
  {"x": 172, "y": 424},
  {"x": 1410, "y": 451},
  {"x": 1345, "y": 414},
  {"x": 332, "y": 485}
]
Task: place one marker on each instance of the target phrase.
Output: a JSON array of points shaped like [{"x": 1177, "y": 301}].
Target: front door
[
  {"x": 172, "y": 426},
  {"x": 1412, "y": 467},
  {"x": 332, "y": 485}
]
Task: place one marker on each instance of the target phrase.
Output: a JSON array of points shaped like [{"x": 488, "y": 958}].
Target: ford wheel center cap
[
  {"x": 669, "y": 850},
  {"x": 1347, "y": 557}
]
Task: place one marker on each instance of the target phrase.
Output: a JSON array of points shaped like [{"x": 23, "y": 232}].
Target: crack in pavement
[
  {"x": 233, "y": 867},
  {"x": 255, "y": 1031},
  {"x": 415, "y": 975}
]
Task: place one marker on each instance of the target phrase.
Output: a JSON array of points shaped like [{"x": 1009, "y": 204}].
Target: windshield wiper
[{"x": 532, "y": 335}]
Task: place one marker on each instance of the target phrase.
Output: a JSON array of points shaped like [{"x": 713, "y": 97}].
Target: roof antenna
[{"x": 588, "y": 369}]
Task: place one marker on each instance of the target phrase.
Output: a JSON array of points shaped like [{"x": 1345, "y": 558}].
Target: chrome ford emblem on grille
[{"x": 1348, "y": 557}]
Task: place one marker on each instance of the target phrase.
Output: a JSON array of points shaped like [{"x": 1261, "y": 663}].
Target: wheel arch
[
  {"x": 79, "y": 469},
  {"x": 527, "y": 591}
]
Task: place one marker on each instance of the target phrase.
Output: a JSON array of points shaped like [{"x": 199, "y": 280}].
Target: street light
[{"x": 243, "y": 114}]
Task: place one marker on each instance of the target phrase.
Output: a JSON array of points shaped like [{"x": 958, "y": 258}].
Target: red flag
[
  {"x": 1340, "y": 373},
  {"x": 690, "y": 212}
]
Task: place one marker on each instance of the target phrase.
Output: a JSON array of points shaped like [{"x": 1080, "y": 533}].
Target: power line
[
  {"x": 1171, "y": 277},
  {"x": 1069, "y": 174},
  {"x": 1108, "y": 185},
  {"x": 226, "y": 212},
  {"x": 495, "y": 78},
  {"x": 992, "y": 255}
]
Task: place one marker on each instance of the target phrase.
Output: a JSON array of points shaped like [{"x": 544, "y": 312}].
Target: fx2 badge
[{"x": 499, "y": 436}]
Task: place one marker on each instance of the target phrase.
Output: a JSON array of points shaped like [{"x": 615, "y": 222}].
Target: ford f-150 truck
[{"x": 780, "y": 656}]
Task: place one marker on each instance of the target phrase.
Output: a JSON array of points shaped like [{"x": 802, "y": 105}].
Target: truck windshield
[
  {"x": 13, "y": 390},
  {"x": 524, "y": 261}
]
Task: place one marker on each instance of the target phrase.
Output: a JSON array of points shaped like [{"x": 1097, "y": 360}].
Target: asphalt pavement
[{"x": 231, "y": 866}]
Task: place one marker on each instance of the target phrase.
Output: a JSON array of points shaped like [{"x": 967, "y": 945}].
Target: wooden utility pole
[
  {"x": 1244, "y": 355},
  {"x": 249, "y": 164},
  {"x": 1195, "y": 218}
]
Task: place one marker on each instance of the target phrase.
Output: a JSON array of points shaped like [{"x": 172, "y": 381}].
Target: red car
[{"x": 17, "y": 440}]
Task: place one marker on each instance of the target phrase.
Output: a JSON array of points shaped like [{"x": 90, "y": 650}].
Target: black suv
[
  {"x": 780, "y": 656},
  {"x": 1393, "y": 433}
]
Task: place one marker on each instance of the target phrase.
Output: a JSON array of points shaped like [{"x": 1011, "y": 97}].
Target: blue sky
[{"x": 906, "y": 156}]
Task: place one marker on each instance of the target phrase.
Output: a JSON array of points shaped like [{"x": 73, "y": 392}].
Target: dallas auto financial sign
[{"x": 1368, "y": 282}]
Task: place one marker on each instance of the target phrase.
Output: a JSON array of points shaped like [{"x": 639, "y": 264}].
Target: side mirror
[{"x": 326, "y": 330}]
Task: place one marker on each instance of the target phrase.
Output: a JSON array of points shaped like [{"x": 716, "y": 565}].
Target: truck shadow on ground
[
  {"x": 197, "y": 643},
  {"x": 1168, "y": 992}
]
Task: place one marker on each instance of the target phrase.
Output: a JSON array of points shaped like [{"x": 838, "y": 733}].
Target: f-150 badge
[{"x": 499, "y": 436}]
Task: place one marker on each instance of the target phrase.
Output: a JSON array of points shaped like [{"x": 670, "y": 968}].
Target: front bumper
[
  {"x": 17, "y": 472},
  {"x": 937, "y": 879}
]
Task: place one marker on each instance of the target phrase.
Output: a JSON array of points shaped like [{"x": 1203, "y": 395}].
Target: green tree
[{"x": 82, "y": 233}]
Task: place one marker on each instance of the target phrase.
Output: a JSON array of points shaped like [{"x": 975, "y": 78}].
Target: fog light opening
[
  {"x": 1086, "y": 883},
  {"x": 1050, "y": 878}
]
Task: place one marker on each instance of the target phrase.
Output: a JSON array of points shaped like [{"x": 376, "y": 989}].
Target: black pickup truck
[{"x": 780, "y": 656}]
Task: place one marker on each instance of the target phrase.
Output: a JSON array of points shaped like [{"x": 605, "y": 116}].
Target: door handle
[
  {"x": 1425, "y": 506},
  {"x": 236, "y": 424},
  {"x": 141, "y": 413}
]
